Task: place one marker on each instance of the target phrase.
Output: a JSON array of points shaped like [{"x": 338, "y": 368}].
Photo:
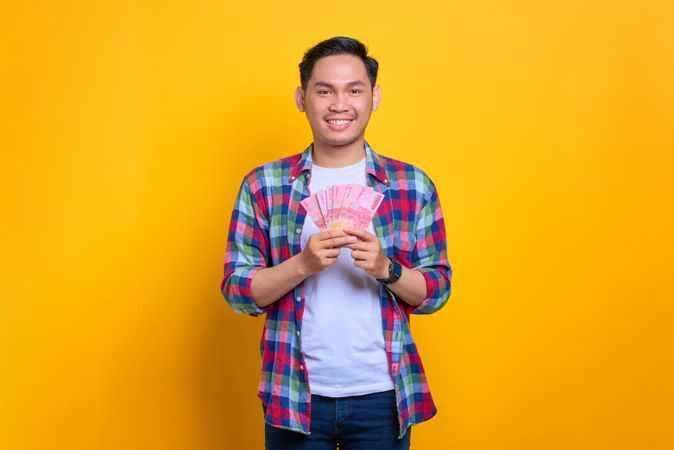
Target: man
[{"x": 339, "y": 365}]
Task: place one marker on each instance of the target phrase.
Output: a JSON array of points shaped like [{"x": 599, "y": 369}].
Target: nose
[{"x": 339, "y": 103}]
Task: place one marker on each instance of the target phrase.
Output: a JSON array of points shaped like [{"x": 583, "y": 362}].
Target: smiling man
[{"x": 339, "y": 364}]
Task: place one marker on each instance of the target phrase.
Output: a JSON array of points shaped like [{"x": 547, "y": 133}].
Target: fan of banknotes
[{"x": 343, "y": 205}]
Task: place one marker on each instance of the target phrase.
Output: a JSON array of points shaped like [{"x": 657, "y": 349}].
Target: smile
[{"x": 339, "y": 124}]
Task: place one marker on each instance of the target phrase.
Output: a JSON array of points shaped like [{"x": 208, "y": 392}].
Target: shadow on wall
[
  {"x": 228, "y": 363},
  {"x": 227, "y": 370}
]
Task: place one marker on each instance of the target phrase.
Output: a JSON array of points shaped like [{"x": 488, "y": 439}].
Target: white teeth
[{"x": 339, "y": 122}]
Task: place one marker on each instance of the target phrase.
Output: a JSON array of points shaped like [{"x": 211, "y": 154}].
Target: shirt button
[
  {"x": 298, "y": 230},
  {"x": 301, "y": 367},
  {"x": 299, "y": 299},
  {"x": 292, "y": 178},
  {"x": 298, "y": 332}
]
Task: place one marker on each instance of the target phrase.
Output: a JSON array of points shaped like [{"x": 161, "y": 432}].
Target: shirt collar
[{"x": 373, "y": 164}]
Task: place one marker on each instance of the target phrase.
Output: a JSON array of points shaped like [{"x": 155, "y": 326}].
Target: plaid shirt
[{"x": 265, "y": 231}]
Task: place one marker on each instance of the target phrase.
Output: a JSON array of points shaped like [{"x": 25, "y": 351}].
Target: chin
[{"x": 339, "y": 142}]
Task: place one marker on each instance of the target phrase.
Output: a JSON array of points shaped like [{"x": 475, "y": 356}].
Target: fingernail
[{"x": 352, "y": 238}]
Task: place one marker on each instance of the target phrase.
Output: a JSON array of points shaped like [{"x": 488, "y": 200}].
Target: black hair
[{"x": 337, "y": 46}]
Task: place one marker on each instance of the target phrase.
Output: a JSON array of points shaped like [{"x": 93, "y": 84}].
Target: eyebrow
[{"x": 349, "y": 84}]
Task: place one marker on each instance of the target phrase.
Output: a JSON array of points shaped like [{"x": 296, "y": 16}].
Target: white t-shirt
[{"x": 342, "y": 337}]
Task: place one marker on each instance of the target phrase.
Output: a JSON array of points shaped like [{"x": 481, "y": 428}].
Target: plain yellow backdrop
[{"x": 127, "y": 127}]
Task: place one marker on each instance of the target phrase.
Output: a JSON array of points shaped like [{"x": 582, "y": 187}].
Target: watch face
[{"x": 395, "y": 270}]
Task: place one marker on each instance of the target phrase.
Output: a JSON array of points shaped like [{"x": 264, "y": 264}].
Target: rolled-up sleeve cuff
[
  {"x": 237, "y": 291},
  {"x": 438, "y": 288}
]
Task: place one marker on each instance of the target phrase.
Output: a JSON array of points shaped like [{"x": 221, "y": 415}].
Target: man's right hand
[{"x": 321, "y": 250}]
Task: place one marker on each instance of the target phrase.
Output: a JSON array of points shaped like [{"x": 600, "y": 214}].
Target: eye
[
  {"x": 323, "y": 92},
  {"x": 356, "y": 91}
]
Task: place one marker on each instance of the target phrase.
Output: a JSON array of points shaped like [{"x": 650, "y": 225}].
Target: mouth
[{"x": 338, "y": 124}]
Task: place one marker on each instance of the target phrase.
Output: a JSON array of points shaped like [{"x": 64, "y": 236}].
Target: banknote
[
  {"x": 314, "y": 210},
  {"x": 343, "y": 205}
]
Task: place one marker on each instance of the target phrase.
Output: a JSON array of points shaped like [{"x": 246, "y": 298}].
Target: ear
[
  {"x": 299, "y": 98},
  {"x": 376, "y": 97}
]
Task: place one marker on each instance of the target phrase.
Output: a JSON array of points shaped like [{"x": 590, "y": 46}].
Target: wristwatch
[{"x": 394, "y": 272}]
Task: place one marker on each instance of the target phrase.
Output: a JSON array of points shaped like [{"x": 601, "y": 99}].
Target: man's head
[{"x": 338, "y": 91}]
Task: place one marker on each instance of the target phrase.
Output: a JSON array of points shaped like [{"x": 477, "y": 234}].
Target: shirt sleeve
[
  {"x": 429, "y": 255},
  {"x": 247, "y": 252}
]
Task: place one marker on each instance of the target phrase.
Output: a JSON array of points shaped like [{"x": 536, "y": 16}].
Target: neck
[{"x": 329, "y": 156}]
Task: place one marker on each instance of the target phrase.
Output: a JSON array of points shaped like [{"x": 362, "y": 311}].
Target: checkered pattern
[{"x": 264, "y": 231}]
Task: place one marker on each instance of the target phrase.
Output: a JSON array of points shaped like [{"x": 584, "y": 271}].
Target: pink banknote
[{"x": 343, "y": 205}]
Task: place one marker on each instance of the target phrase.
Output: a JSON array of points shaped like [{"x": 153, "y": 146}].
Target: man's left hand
[{"x": 367, "y": 253}]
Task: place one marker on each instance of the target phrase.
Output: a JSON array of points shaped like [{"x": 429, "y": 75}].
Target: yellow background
[{"x": 126, "y": 128}]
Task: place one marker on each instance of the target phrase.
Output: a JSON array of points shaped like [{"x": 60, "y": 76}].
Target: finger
[
  {"x": 331, "y": 253},
  {"x": 359, "y": 263},
  {"x": 361, "y": 233},
  {"x": 359, "y": 245},
  {"x": 329, "y": 234},
  {"x": 358, "y": 255},
  {"x": 338, "y": 241}
]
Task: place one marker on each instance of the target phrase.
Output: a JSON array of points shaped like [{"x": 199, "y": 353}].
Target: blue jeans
[{"x": 362, "y": 422}]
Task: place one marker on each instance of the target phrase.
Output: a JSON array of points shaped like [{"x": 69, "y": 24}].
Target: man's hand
[
  {"x": 367, "y": 253},
  {"x": 322, "y": 250}
]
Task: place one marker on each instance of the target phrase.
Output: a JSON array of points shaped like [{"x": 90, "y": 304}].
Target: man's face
[{"x": 338, "y": 100}]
